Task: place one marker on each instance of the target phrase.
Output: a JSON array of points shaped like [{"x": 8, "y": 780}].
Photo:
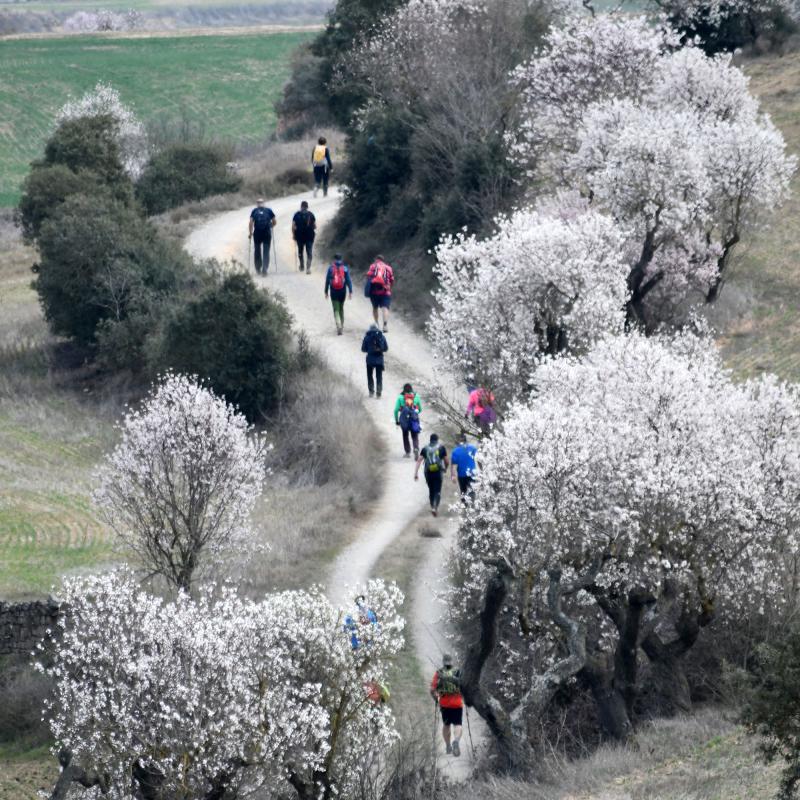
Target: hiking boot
[
  {"x": 456, "y": 748},
  {"x": 434, "y": 512},
  {"x": 338, "y": 331},
  {"x": 315, "y": 191},
  {"x": 386, "y": 327},
  {"x": 308, "y": 270},
  {"x": 378, "y": 395},
  {"x": 448, "y": 749},
  {"x": 406, "y": 455},
  {"x": 416, "y": 453},
  {"x": 372, "y": 394}
]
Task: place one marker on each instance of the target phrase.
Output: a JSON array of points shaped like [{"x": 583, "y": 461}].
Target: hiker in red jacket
[
  {"x": 446, "y": 693},
  {"x": 380, "y": 278},
  {"x": 338, "y": 283}
]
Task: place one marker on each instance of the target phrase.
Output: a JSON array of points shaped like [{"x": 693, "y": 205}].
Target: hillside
[{"x": 226, "y": 83}]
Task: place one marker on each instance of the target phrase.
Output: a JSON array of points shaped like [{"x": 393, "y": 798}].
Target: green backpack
[
  {"x": 433, "y": 458},
  {"x": 449, "y": 681}
]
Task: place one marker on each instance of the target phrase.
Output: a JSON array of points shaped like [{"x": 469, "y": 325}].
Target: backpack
[
  {"x": 302, "y": 223},
  {"x": 433, "y": 458},
  {"x": 337, "y": 278},
  {"x": 449, "y": 681},
  {"x": 262, "y": 221},
  {"x": 409, "y": 414},
  {"x": 376, "y": 343},
  {"x": 379, "y": 278},
  {"x": 318, "y": 159}
]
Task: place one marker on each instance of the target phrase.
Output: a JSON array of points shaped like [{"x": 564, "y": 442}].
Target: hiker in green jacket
[{"x": 407, "y": 409}]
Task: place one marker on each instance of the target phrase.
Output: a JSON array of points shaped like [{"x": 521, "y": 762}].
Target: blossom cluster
[
  {"x": 640, "y": 466},
  {"x": 545, "y": 279},
  {"x": 196, "y": 695},
  {"x": 667, "y": 140},
  {"x": 104, "y": 100},
  {"x": 180, "y": 485}
]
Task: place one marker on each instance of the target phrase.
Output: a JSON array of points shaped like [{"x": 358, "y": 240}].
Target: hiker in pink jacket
[{"x": 481, "y": 407}]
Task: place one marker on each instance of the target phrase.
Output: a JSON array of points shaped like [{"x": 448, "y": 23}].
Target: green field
[{"x": 229, "y": 82}]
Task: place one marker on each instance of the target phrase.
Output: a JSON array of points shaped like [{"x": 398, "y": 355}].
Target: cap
[{"x": 260, "y": 200}]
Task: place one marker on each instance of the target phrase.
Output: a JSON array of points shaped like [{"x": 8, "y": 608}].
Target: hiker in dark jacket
[
  {"x": 304, "y": 229},
  {"x": 262, "y": 221},
  {"x": 374, "y": 345},
  {"x": 338, "y": 283}
]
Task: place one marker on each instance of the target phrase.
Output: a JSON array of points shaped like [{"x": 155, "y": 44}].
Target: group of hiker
[{"x": 360, "y": 626}]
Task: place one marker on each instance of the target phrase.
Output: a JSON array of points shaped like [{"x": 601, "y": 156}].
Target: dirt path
[{"x": 403, "y": 502}]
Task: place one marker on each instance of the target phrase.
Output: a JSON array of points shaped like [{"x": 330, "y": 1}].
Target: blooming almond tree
[
  {"x": 201, "y": 699},
  {"x": 639, "y": 495},
  {"x": 669, "y": 142},
  {"x": 104, "y": 100},
  {"x": 179, "y": 487},
  {"x": 542, "y": 283}
]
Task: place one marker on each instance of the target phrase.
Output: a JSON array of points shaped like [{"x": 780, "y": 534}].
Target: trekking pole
[
  {"x": 248, "y": 253},
  {"x": 275, "y": 253},
  {"x": 469, "y": 731},
  {"x": 435, "y": 753}
]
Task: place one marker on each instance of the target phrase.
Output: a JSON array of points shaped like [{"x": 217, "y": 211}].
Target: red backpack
[
  {"x": 337, "y": 278},
  {"x": 379, "y": 278}
]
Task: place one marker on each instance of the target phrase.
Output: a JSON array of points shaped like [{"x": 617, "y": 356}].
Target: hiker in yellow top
[{"x": 322, "y": 164}]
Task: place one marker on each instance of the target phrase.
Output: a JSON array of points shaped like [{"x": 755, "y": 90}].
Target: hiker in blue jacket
[
  {"x": 338, "y": 283},
  {"x": 374, "y": 345},
  {"x": 463, "y": 467}
]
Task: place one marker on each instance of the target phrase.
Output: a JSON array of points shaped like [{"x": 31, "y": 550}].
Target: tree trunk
[
  {"x": 612, "y": 710},
  {"x": 666, "y": 658},
  {"x": 510, "y": 729}
]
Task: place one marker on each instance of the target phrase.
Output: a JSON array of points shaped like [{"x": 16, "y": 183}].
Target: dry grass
[
  {"x": 765, "y": 279},
  {"x": 702, "y": 757}
]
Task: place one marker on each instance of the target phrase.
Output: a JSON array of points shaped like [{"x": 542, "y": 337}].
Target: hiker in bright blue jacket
[
  {"x": 374, "y": 345},
  {"x": 463, "y": 467},
  {"x": 338, "y": 283}
]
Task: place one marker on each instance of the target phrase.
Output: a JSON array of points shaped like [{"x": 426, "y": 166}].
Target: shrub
[
  {"x": 81, "y": 157},
  {"x": 185, "y": 172},
  {"x": 48, "y": 186},
  {"x": 774, "y": 707},
  {"x": 99, "y": 261},
  {"x": 237, "y": 338},
  {"x": 88, "y": 143},
  {"x": 22, "y": 695}
]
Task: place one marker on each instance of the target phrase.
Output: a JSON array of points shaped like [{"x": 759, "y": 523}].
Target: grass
[
  {"x": 229, "y": 82},
  {"x": 702, "y": 757},
  {"x": 50, "y": 438},
  {"x": 764, "y": 289},
  {"x": 25, "y": 772}
]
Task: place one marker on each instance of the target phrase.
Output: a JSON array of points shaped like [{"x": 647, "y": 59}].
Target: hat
[
  {"x": 447, "y": 660},
  {"x": 260, "y": 200}
]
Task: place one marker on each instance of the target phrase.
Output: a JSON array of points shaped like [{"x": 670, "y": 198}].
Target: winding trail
[{"x": 402, "y": 502}]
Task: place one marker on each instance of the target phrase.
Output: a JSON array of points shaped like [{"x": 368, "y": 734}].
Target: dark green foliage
[
  {"x": 182, "y": 173},
  {"x": 311, "y": 96},
  {"x": 87, "y": 143},
  {"x": 237, "y": 338},
  {"x": 100, "y": 261},
  {"x": 48, "y": 186},
  {"x": 767, "y": 29},
  {"x": 81, "y": 157},
  {"x": 773, "y": 709},
  {"x": 22, "y": 695}
]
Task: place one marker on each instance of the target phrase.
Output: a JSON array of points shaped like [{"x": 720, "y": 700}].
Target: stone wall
[{"x": 23, "y": 625}]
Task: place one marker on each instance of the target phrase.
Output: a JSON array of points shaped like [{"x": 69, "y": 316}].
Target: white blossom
[
  {"x": 669, "y": 142},
  {"x": 104, "y": 100},
  {"x": 546, "y": 280},
  {"x": 179, "y": 487},
  {"x": 201, "y": 695}
]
